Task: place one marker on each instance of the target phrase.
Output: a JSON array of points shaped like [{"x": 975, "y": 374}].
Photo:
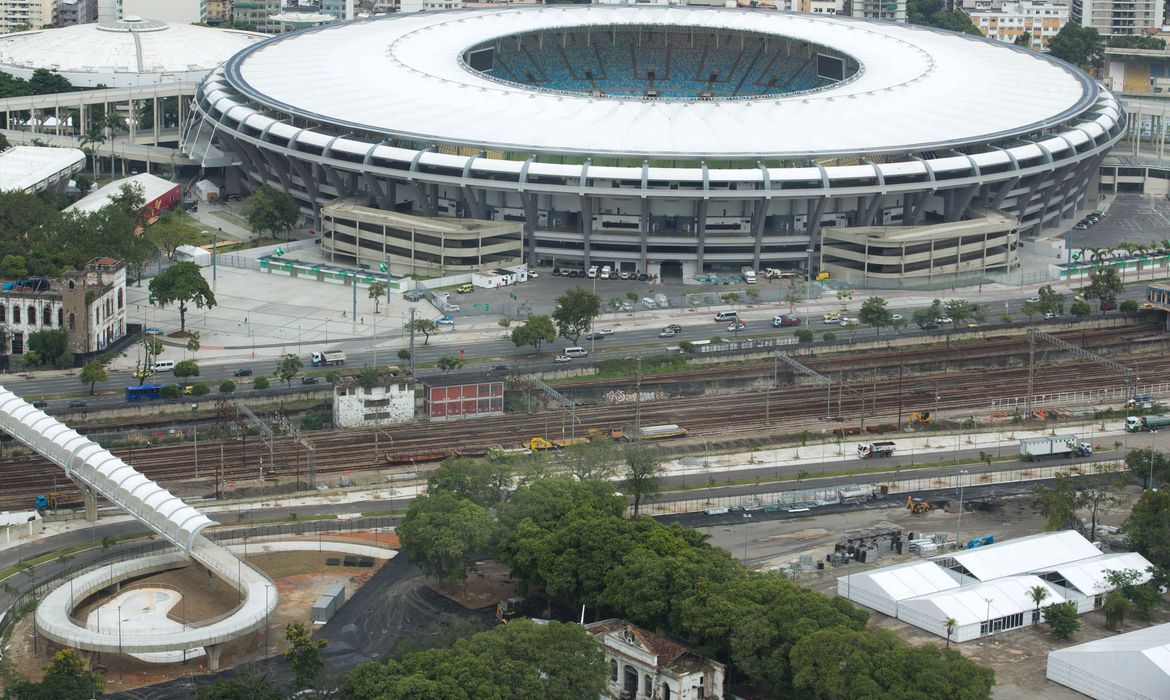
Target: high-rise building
[
  {"x": 341, "y": 9},
  {"x": 27, "y": 14},
  {"x": 219, "y": 11},
  {"x": 1118, "y": 17},
  {"x": 1038, "y": 19},
  {"x": 109, "y": 10},
  {"x": 890, "y": 10},
  {"x": 257, "y": 14},
  {"x": 174, "y": 11},
  {"x": 73, "y": 12}
]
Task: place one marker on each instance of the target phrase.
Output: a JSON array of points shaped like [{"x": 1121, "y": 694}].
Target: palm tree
[
  {"x": 1037, "y": 594},
  {"x": 951, "y": 624},
  {"x": 90, "y": 140},
  {"x": 110, "y": 121}
]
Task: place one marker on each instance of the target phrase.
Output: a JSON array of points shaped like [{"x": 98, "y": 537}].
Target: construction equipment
[
  {"x": 538, "y": 443},
  {"x": 921, "y": 418},
  {"x": 615, "y": 434},
  {"x": 509, "y": 609},
  {"x": 917, "y": 505}
]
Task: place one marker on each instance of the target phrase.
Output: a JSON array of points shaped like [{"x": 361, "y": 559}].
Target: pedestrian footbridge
[{"x": 96, "y": 470}]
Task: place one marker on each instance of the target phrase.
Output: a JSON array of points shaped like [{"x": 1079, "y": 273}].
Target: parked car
[
  {"x": 242, "y": 372},
  {"x": 445, "y": 321},
  {"x": 310, "y": 380},
  {"x": 674, "y": 327},
  {"x": 606, "y": 271},
  {"x": 592, "y": 273},
  {"x": 624, "y": 275},
  {"x": 151, "y": 330},
  {"x": 642, "y": 277},
  {"x": 450, "y": 308},
  {"x": 77, "y": 403},
  {"x": 465, "y": 288},
  {"x": 533, "y": 274},
  {"x": 627, "y": 306},
  {"x": 649, "y": 303},
  {"x": 559, "y": 359},
  {"x": 556, "y": 272}
]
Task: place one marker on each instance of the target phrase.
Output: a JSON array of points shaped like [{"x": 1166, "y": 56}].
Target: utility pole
[
  {"x": 411, "y": 326},
  {"x": 638, "y": 403}
]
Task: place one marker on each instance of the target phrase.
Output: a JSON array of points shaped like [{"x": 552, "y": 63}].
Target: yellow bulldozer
[
  {"x": 917, "y": 505},
  {"x": 921, "y": 418}
]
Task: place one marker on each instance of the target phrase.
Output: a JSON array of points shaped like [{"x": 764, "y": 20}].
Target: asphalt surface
[{"x": 1134, "y": 218}]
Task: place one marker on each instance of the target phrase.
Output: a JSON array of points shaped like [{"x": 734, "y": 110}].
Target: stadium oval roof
[
  {"x": 122, "y": 53},
  {"x": 917, "y": 88}
]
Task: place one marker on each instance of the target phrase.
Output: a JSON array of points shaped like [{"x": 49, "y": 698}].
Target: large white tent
[
  {"x": 988, "y": 590},
  {"x": 1133, "y": 666}
]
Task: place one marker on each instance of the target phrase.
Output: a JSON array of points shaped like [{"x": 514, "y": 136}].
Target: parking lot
[{"x": 1134, "y": 218}]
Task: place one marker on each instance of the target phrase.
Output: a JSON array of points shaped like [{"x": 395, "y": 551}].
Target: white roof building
[
  {"x": 36, "y": 169},
  {"x": 153, "y": 187},
  {"x": 1133, "y": 666},
  {"x": 988, "y": 589},
  {"x": 122, "y": 53}
]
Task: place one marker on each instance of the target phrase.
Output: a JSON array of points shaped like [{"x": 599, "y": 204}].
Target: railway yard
[{"x": 719, "y": 405}]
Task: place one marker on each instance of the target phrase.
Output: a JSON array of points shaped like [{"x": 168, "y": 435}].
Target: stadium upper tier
[{"x": 912, "y": 88}]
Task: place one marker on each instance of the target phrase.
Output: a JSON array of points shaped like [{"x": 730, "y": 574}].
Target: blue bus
[{"x": 148, "y": 392}]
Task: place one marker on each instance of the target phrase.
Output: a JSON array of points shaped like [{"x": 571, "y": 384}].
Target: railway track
[{"x": 793, "y": 407}]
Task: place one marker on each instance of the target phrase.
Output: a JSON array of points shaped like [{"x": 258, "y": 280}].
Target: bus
[{"x": 148, "y": 392}]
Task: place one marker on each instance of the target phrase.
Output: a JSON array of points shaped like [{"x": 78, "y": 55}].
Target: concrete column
[
  {"x": 158, "y": 120},
  {"x": 213, "y": 651}
]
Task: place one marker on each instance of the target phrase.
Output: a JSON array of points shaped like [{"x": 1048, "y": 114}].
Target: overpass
[{"x": 99, "y": 472}]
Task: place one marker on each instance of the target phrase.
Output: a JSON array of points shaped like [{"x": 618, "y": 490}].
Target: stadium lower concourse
[{"x": 676, "y": 139}]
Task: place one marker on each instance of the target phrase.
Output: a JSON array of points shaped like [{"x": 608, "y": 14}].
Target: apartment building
[
  {"x": 17, "y": 15},
  {"x": 1118, "y": 17},
  {"x": 1040, "y": 20}
]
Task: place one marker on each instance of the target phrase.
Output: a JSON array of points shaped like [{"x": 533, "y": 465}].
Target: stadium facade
[{"x": 671, "y": 139}]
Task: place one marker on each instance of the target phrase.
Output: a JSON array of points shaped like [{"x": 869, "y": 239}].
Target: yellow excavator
[
  {"x": 921, "y": 418},
  {"x": 917, "y": 505}
]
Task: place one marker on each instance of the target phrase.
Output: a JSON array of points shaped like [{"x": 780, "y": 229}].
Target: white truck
[
  {"x": 749, "y": 274},
  {"x": 1053, "y": 446},
  {"x": 328, "y": 357},
  {"x": 885, "y": 448}
]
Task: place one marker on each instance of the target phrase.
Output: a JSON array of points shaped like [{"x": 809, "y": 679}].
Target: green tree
[
  {"x": 1148, "y": 527},
  {"x": 182, "y": 283},
  {"x": 260, "y": 383},
  {"x": 242, "y": 686},
  {"x": 92, "y": 373},
  {"x": 1051, "y": 301},
  {"x": 641, "y": 479},
  {"x": 1063, "y": 619},
  {"x": 958, "y": 310},
  {"x": 1078, "y": 45},
  {"x": 483, "y": 482},
  {"x": 13, "y": 267},
  {"x": 443, "y": 534},
  {"x": 48, "y": 82},
  {"x": 875, "y": 313},
  {"x": 950, "y": 623},
  {"x": 290, "y": 366},
  {"x": 227, "y": 386},
  {"x": 368, "y": 378},
  {"x": 186, "y": 368},
  {"x": 1038, "y": 594},
  {"x": 1024, "y": 40},
  {"x": 173, "y": 229},
  {"x": 1128, "y": 306},
  {"x": 1080, "y": 309},
  {"x": 448, "y": 363},
  {"x": 793, "y": 294},
  {"x": 303, "y": 655},
  {"x": 1104, "y": 286},
  {"x": 804, "y": 335},
  {"x": 200, "y": 389},
  {"x": 376, "y": 291},
  {"x": 1116, "y": 608},
  {"x": 596, "y": 459},
  {"x": 90, "y": 139},
  {"x": 1144, "y": 463},
  {"x": 1031, "y": 309},
  {"x": 422, "y": 325},
  {"x": 270, "y": 210},
  {"x": 829, "y": 336},
  {"x": 193, "y": 344},
  {"x": 171, "y": 391},
  {"x": 404, "y": 355},
  {"x": 66, "y": 677},
  {"x": 536, "y": 331},
  {"x": 574, "y": 313},
  {"x": 49, "y": 345}
]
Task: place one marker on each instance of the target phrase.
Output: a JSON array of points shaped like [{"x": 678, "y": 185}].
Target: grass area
[
  {"x": 231, "y": 219},
  {"x": 56, "y": 554},
  {"x": 628, "y": 367}
]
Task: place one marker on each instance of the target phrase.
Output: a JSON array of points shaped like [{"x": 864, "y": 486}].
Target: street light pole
[
  {"x": 747, "y": 518},
  {"x": 1151, "y": 482},
  {"x": 959, "y": 522},
  {"x": 121, "y": 660},
  {"x": 266, "y": 587}
]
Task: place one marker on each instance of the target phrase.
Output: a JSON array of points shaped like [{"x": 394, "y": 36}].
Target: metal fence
[{"x": 1114, "y": 395}]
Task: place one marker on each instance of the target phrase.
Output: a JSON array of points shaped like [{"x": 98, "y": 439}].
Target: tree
[
  {"x": 1063, "y": 619},
  {"x": 111, "y": 121},
  {"x": 303, "y": 655},
  {"x": 875, "y": 313},
  {"x": 1104, "y": 286},
  {"x": 290, "y": 366},
  {"x": 536, "y": 331},
  {"x": 90, "y": 139},
  {"x": 186, "y": 368},
  {"x": 829, "y": 336},
  {"x": 1148, "y": 527},
  {"x": 1080, "y": 309},
  {"x": 592, "y": 460},
  {"x": 404, "y": 355},
  {"x": 483, "y": 482},
  {"x": 1031, "y": 309},
  {"x": 1116, "y": 607},
  {"x": 1127, "y": 306},
  {"x": 368, "y": 378},
  {"x": 444, "y": 533},
  {"x": 643, "y": 466},
  {"x": 928, "y": 314},
  {"x": 227, "y": 386},
  {"x": 182, "y": 283},
  {"x": 448, "y": 363},
  {"x": 49, "y": 345},
  {"x": 92, "y": 373},
  {"x": 933, "y": 13},
  {"x": 1078, "y": 45},
  {"x": 13, "y": 267},
  {"x": 1024, "y": 40},
  {"x": 574, "y": 313},
  {"x": 376, "y": 291},
  {"x": 242, "y": 686},
  {"x": 424, "y": 326},
  {"x": 1146, "y": 464},
  {"x": 193, "y": 343},
  {"x": 804, "y": 335},
  {"x": 270, "y": 210},
  {"x": 1038, "y": 594},
  {"x": 1051, "y": 301},
  {"x": 48, "y": 82},
  {"x": 83, "y": 182},
  {"x": 66, "y": 676},
  {"x": 793, "y": 294},
  {"x": 950, "y": 623},
  {"x": 958, "y": 310},
  {"x": 260, "y": 383},
  {"x": 173, "y": 229}
]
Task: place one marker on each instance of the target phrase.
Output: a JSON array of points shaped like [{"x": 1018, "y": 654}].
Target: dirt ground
[
  {"x": 300, "y": 578},
  {"x": 1018, "y": 658},
  {"x": 488, "y": 585}
]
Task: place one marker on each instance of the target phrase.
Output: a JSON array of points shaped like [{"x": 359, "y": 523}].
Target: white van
[
  {"x": 606, "y": 272},
  {"x": 576, "y": 352},
  {"x": 726, "y": 316},
  {"x": 164, "y": 365}
]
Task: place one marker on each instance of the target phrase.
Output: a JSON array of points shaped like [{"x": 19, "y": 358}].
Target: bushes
[
  {"x": 200, "y": 389},
  {"x": 227, "y": 386},
  {"x": 260, "y": 383},
  {"x": 804, "y": 335},
  {"x": 171, "y": 391}
]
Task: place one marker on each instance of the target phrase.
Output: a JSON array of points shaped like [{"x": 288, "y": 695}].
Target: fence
[
  {"x": 26, "y": 601},
  {"x": 1084, "y": 397}
]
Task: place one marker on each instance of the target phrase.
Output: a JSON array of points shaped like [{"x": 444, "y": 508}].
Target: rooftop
[
  {"x": 25, "y": 167},
  {"x": 153, "y": 187}
]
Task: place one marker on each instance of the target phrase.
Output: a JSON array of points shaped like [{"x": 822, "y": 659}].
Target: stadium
[{"x": 668, "y": 140}]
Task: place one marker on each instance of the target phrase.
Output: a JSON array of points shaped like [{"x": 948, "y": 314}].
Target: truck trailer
[
  {"x": 328, "y": 357},
  {"x": 1053, "y": 446},
  {"x": 865, "y": 450},
  {"x": 1142, "y": 424}
]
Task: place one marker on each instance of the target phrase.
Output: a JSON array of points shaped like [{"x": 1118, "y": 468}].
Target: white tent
[
  {"x": 883, "y": 589},
  {"x": 1133, "y": 666},
  {"x": 985, "y": 608},
  {"x": 206, "y": 191}
]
